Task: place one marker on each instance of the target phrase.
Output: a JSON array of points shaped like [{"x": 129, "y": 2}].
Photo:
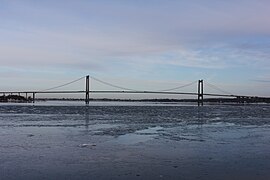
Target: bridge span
[{"x": 200, "y": 91}]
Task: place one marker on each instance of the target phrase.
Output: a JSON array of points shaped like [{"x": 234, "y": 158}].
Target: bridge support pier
[
  {"x": 87, "y": 89},
  {"x": 34, "y": 94},
  {"x": 200, "y": 92}
]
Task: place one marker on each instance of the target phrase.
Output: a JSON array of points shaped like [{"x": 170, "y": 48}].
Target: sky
[{"x": 144, "y": 45}]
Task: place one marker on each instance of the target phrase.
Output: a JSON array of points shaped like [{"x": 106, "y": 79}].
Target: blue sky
[{"x": 149, "y": 44}]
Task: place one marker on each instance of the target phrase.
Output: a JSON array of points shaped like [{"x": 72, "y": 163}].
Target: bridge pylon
[
  {"x": 87, "y": 89},
  {"x": 200, "y": 92}
]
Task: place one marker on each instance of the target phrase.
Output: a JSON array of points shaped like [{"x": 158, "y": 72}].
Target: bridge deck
[{"x": 116, "y": 92}]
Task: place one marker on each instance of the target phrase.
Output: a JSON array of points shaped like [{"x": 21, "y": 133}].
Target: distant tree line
[{"x": 13, "y": 98}]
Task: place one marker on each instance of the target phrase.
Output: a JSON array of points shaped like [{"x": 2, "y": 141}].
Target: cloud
[
  {"x": 263, "y": 81},
  {"x": 95, "y": 50},
  {"x": 135, "y": 35}
]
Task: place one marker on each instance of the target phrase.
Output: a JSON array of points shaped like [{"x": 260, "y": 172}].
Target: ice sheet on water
[
  {"x": 195, "y": 139},
  {"x": 131, "y": 118},
  {"x": 139, "y": 136},
  {"x": 150, "y": 130}
]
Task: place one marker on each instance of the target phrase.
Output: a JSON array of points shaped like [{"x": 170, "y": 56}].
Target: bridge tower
[
  {"x": 87, "y": 89},
  {"x": 200, "y": 92}
]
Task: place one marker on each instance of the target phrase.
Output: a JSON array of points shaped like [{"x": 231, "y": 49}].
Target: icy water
[{"x": 116, "y": 140}]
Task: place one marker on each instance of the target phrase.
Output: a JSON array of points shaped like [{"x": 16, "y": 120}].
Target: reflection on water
[{"x": 87, "y": 118}]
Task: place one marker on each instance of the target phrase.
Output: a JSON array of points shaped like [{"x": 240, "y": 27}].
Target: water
[{"x": 131, "y": 140}]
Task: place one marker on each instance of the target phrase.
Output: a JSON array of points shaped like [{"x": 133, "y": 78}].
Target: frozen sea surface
[{"x": 117, "y": 140}]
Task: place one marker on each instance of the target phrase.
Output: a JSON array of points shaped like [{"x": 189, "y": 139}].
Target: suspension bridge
[{"x": 171, "y": 91}]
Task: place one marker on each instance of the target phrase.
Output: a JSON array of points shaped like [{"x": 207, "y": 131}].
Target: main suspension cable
[
  {"x": 179, "y": 87},
  {"x": 217, "y": 88},
  {"x": 112, "y": 85},
  {"x": 62, "y": 85}
]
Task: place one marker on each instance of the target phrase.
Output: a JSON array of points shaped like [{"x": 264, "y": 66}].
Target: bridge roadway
[{"x": 117, "y": 92}]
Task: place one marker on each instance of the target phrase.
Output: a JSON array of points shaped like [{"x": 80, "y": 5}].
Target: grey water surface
[{"x": 134, "y": 140}]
